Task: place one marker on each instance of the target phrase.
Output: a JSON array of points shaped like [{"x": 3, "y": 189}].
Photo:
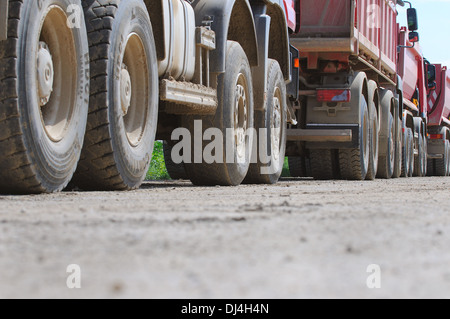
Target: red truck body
[
  {"x": 335, "y": 29},
  {"x": 439, "y": 99},
  {"x": 357, "y": 49},
  {"x": 411, "y": 70}
]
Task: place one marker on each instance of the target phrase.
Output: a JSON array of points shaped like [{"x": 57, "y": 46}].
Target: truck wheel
[
  {"x": 441, "y": 164},
  {"x": 123, "y": 107},
  {"x": 448, "y": 159},
  {"x": 324, "y": 164},
  {"x": 373, "y": 151},
  {"x": 419, "y": 159},
  {"x": 398, "y": 152},
  {"x": 235, "y": 115},
  {"x": 176, "y": 171},
  {"x": 299, "y": 166},
  {"x": 44, "y": 92},
  {"x": 386, "y": 162},
  {"x": 430, "y": 167},
  {"x": 411, "y": 152},
  {"x": 425, "y": 155},
  {"x": 272, "y": 137},
  {"x": 407, "y": 153},
  {"x": 354, "y": 163}
]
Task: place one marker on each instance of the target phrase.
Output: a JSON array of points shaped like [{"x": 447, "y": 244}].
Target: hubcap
[
  {"x": 241, "y": 117},
  {"x": 57, "y": 76},
  {"x": 134, "y": 89},
  {"x": 276, "y": 126},
  {"x": 125, "y": 89},
  {"x": 45, "y": 73},
  {"x": 366, "y": 134}
]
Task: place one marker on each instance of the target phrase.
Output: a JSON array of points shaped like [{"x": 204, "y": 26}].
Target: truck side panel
[
  {"x": 367, "y": 28},
  {"x": 325, "y": 19},
  {"x": 408, "y": 67},
  {"x": 377, "y": 31},
  {"x": 439, "y": 100}
]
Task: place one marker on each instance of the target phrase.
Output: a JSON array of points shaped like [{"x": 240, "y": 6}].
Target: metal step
[
  {"x": 188, "y": 98},
  {"x": 331, "y": 135}
]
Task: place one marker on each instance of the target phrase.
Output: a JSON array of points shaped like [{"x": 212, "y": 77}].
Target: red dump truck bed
[
  {"x": 364, "y": 28},
  {"x": 439, "y": 99}
]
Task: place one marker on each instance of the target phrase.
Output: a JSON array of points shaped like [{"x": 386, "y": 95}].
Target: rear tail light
[
  {"x": 339, "y": 95},
  {"x": 436, "y": 136}
]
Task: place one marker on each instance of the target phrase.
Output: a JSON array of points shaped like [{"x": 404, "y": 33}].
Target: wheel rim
[
  {"x": 276, "y": 125},
  {"x": 448, "y": 158},
  {"x": 411, "y": 154},
  {"x": 392, "y": 147},
  {"x": 56, "y": 74},
  {"x": 408, "y": 155},
  {"x": 241, "y": 117},
  {"x": 425, "y": 155},
  {"x": 366, "y": 137},
  {"x": 134, "y": 89}
]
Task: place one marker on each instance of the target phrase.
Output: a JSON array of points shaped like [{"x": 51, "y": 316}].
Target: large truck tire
[
  {"x": 374, "y": 130},
  {"x": 430, "y": 167},
  {"x": 448, "y": 160},
  {"x": 354, "y": 163},
  {"x": 411, "y": 152},
  {"x": 324, "y": 164},
  {"x": 419, "y": 159},
  {"x": 386, "y": 162},
  {"x": 408, "y": 154},
  {"x": 176, "y": 171},
  {"x": 272, "y": 138},
  {"x": 398, "y": 151},
  {"x": 425, "y": 154},
  {"x": 299, "y": 166},
  {"x": 44, "y": 93},
  {"x": 123, "y": 108},
  {"x": 442, "y": 164},
  {"x": 235, "y": 112}
]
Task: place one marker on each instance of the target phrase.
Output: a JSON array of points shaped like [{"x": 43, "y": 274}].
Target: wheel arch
[
  {"x": 279, "y": 34},
  {"x": 230, "y": 20}
]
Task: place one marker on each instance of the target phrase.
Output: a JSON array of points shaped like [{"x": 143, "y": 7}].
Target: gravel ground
[{"x": 297, "y": 239}]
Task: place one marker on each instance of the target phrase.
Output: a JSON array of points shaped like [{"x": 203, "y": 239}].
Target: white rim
[
  {"x": 241, "y": 117},
  {"x": 276, "y": 125},
  {"x": 134, "y": 89},
  {"x": 56, "y": 74}
]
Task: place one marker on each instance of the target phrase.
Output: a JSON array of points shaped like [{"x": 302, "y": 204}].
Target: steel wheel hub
[
  {"x": 276, "y": 128},
  {"x": 240, "y": 120},
  {"x": 45, "y": 73},
  {"x": 125, "y": 89}
]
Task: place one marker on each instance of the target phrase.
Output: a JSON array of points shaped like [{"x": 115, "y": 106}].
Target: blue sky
[{"x": 434, "y": 28}]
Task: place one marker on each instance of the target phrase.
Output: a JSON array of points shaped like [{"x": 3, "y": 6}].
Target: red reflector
[
  {"x": 340, "y": 95},
  {"x": 296, "y": 63},
  {"x": 436, "y": 136}
]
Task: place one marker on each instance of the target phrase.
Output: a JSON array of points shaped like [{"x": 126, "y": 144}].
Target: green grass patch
[
  {"x": 157, "y": 170},
  {"x": 285, "y": 172}
]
